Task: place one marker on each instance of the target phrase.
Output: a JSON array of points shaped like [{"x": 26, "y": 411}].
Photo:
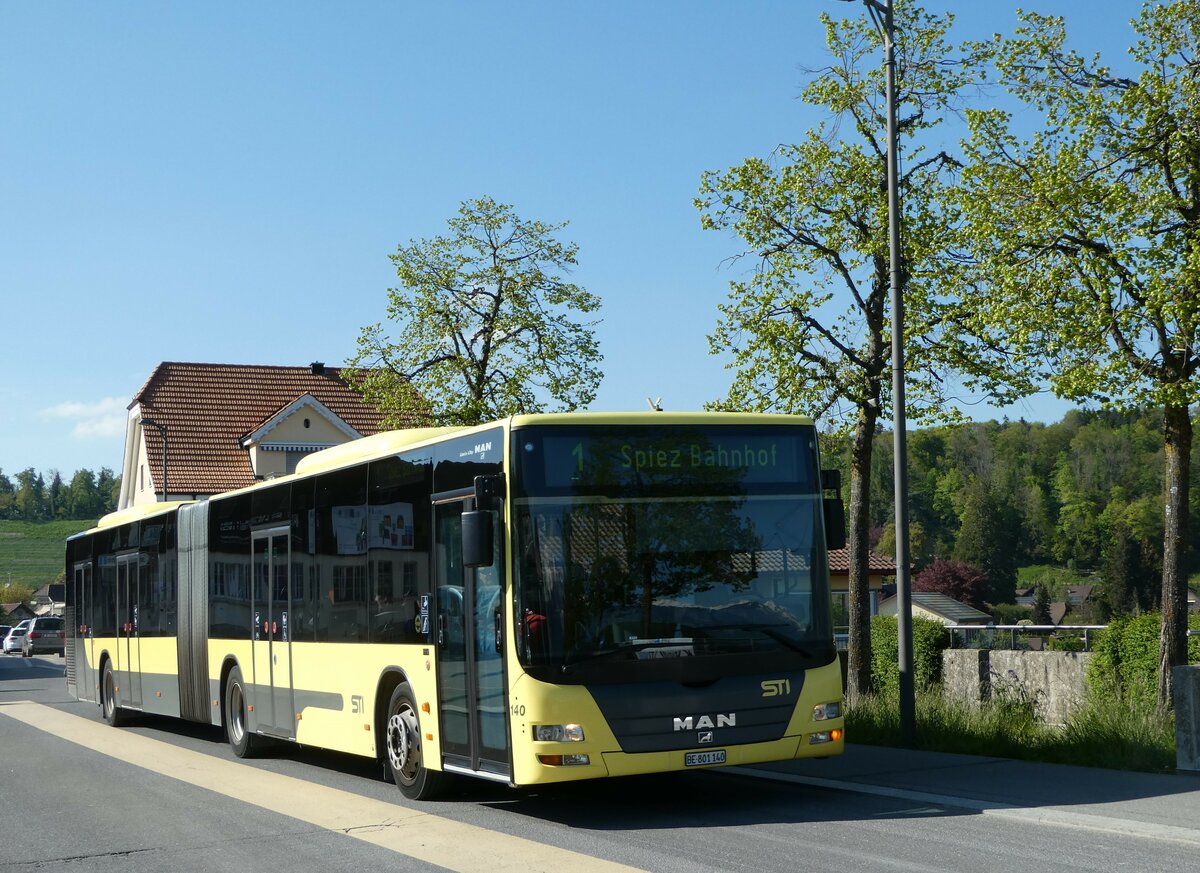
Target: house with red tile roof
[
  {"x": 881, "y": 571},
  {"x": 209, "y": 428}
]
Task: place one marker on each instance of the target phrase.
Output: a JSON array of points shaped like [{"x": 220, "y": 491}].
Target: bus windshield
[{"x": 673, "y": 544}]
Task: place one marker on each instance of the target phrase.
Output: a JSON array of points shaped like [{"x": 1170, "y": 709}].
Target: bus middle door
[{"x": 272, "y": 635}]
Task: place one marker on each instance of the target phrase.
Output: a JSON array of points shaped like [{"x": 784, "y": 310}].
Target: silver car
[{"x": 12, "y": 640}]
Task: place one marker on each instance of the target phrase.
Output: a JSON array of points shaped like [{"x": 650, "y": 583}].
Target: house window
[{"x": 841, "y": 608}]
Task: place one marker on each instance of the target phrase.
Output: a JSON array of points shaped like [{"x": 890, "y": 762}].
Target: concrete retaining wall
[
  {"x": 1186, "y": 681},
  {"x": 1054, "y": 681}
]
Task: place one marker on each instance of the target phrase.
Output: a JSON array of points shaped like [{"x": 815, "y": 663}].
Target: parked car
[
  {"x": 12, "y": 640},
  {"x": 43, "y": 636},
  {"x": 4, "y": 629}
]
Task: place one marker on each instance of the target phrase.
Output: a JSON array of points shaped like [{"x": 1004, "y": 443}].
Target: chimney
[{"x": 318, "y": 368}]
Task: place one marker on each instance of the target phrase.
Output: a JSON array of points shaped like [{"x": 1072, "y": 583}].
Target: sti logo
[{"x": 776, "y": 687}]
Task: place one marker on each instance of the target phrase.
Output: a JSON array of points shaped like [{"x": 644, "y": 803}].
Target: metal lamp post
[{"x": 162, "y": 430}]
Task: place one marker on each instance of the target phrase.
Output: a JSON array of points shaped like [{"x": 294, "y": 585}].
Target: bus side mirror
[
  {"x": 834, "y": 510},
  {"x": 478, "y": 546}
]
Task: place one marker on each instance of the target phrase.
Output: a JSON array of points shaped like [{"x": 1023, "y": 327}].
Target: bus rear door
[{"x": 129, "y": 661}]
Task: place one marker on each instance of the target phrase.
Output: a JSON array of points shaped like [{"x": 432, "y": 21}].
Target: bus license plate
[{"x": 699, "y": 759}]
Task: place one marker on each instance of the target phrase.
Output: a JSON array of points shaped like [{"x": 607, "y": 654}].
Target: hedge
[
  {"x": 1124, "y": 664},
  {"x": 930, "y": 638}
]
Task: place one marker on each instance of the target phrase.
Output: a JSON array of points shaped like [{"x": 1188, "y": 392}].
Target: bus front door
[
  {"x": 272, "y": 635},
  {"x": 472, "y": 698},
  {"x": 129, "y": 661}
]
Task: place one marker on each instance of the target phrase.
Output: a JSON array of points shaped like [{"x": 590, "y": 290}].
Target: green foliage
[
  {"x": 485, "y": 322},
  {"x": 1088, "y": 236},
  {"x": 1124, "y": 663},
  {"x": 984, "y": 541},
  {"x": 1009, "y": 613},
  {"x": 930, "y": 639},
  {"x": 29, "y": 498}
]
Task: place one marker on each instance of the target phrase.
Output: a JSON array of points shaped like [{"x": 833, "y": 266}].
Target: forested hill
[
  {"x": 1086, "y": 492},
  {"x": 33, "y": 496}
]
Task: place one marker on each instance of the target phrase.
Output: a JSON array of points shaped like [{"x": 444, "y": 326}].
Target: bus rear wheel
[
  {"x": 245, "y": 744},
  {"x": 113, "y": 713},
  {"x": 403, "y": 734}
]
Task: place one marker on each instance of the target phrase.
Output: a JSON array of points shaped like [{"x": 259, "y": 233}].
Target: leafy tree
[
  {"x": 807, "y": 329},
  {"x": 485, "y": 325},
  {"x": 1089, "y": 235},
  {"x": 957, "y": 579},
  {"x": 30, "y": 494},
  {"x": 8, "y": 496}
]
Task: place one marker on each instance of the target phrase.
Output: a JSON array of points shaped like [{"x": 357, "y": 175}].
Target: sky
[{"x": 221, "y": 182}]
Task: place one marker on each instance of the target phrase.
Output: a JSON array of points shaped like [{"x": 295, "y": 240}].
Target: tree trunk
[
  {"x": 1177, "y": 429},
  {"x": 858, "y": 660}
]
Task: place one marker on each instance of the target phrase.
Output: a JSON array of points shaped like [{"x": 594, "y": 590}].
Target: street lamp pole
[
  {"x": 881, "y": 13},
  {"x": 162, "y": 430}
]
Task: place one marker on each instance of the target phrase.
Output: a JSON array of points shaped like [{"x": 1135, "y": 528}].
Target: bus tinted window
[{"x": 342, "y": 612}]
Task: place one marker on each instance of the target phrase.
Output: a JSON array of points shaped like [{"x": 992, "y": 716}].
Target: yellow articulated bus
[{"x": 547, "y": 598}]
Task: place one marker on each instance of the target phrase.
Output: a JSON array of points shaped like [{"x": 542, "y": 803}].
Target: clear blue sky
[{"x": 224, "y": 182}]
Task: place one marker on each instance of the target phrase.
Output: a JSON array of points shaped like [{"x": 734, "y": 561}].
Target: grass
[
  {"x": 1112, "y": 734},
  {"x": 32, "y": 553}
]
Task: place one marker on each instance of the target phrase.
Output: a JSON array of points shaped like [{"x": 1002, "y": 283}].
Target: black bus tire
[
  {"x": 109, "y": 708},
  {"x": 245, "y": 744},
  {"x": 402, "y": 734}
]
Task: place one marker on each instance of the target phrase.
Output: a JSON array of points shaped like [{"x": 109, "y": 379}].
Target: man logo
[
  {"x": 776, "y": 687},
  {"x": 704, "y": 737},
  {"x": 689, "y": 723}
]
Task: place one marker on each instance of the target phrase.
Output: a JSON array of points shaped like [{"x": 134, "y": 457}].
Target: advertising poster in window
[{"x": 391, "y": 526}]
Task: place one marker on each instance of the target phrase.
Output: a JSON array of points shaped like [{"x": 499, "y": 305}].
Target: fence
[{"x": 1020, "y": 636}]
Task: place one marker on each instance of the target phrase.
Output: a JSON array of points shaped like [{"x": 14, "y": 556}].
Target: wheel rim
[
  {"x": 237, "y": 713},
  {"x": 110, "y": 704},
  {"x": 404, "y": 750}
]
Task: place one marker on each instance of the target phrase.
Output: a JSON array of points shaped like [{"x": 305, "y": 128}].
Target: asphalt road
[{"x": 167, "y": 795}]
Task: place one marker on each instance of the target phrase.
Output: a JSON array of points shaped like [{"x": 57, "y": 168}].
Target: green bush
[
  {"x": 1009, "y": 613},
  {"x": 930, "y": 639},
  {"x": 1124, "y": 663}
]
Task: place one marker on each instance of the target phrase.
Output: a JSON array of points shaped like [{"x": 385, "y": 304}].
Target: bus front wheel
[
  {"x": 403, "y": 732},
  {"x": 245, "y": 744}
]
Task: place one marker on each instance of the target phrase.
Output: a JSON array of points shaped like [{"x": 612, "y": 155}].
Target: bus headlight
[
  {"x": 558, "y": 733},
  {"x": 824, "y": 711}
]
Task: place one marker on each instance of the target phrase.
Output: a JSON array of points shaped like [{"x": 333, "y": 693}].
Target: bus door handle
[
  {"x": 499, "y": 633},
  {"x": 441, "y": 621}
]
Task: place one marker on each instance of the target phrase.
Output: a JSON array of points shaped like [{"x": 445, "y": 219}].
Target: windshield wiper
[
  {"x": 632, "y": 647},
  {"x": 765, "y": 630}
]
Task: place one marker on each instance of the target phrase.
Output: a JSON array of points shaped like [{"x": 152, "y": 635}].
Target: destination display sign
[{"x": 599, "y": 459}]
